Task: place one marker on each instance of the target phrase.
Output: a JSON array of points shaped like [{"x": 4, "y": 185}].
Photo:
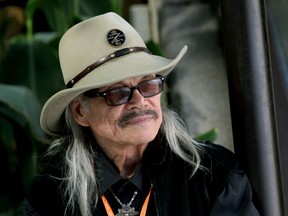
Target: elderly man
[{"x": 115, "y": 150}]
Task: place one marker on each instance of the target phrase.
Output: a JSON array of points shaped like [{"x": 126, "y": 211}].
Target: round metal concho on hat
[{"x": 116, "y": 37}]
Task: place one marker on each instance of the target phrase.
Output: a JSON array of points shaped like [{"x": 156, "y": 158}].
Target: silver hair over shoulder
[{"x": 81, "y": 180}]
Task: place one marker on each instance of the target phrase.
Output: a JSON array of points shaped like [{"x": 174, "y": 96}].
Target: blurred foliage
[
  {"x": 210, "y": 135},
  {"x": 20, "y": 135}
]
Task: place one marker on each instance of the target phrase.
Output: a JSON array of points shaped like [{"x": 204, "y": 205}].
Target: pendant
[{"x": 127, "y": 210}]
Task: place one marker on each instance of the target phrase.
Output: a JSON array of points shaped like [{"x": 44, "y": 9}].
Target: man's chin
[{"x": 141, "y": 134}]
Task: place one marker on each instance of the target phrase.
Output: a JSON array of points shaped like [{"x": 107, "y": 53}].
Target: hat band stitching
[{"x": 103, "y": 60}]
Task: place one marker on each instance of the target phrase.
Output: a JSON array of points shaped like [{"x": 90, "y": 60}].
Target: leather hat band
[{"x": 103, "y": 60}]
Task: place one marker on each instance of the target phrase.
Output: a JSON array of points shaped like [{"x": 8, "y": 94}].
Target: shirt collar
[{"x": 109, "y": 175}]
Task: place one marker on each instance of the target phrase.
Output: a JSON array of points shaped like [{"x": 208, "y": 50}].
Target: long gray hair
[{"x": 81, "y": 179}]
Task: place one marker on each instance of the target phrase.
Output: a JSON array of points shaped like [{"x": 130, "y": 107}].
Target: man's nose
[{"x": 137, "y": 98}]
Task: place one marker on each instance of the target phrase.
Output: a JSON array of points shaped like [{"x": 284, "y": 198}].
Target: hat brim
[{"x": 132, "y": 65}]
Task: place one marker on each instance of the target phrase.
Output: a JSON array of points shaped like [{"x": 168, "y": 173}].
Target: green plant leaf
[
  {"x": 21, "y": 106},
  {"x": 20, "y": 138},
  {"x": 29, "y": 12},
  {"x": 154, "y": 48},
  {"x": 90, "y": 8},
  {"x": 210, "y": 135},
  {"x": 58, "y": 14},
  {"x": 33, "y": 64},
  {"x": 117, "y": 6},
  {"x": 62, "y": 14}
]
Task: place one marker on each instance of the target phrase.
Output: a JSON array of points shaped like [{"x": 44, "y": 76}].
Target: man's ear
[{"x": 79, "y": 114}]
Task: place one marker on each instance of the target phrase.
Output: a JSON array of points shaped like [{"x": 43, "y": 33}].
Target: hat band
[{"x": 103, "y": 60}]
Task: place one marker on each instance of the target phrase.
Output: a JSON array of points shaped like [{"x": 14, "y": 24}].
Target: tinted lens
[
  {"x": 123, "y": 95},
  {"x": 151, "y": 87},
  {"x": 118, "y": 96}
]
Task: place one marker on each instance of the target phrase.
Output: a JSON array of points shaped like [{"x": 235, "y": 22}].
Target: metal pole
[{"x": 251, "y": 99}]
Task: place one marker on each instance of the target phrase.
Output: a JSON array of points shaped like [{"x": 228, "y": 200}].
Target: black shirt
[{"x": 124, "y": 189}]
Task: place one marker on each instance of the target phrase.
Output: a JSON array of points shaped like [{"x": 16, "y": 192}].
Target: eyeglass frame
[{"x": 94, "y": 93}]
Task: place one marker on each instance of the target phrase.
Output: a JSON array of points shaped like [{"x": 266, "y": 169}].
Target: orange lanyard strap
[
  {"x": 143, "y": 210},
  {"x": 145, "y": 204},
  {"x": 107, "y": 206}
]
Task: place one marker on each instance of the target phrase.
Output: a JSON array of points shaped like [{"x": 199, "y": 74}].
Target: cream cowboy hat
[{"x": 97, "y": 52}]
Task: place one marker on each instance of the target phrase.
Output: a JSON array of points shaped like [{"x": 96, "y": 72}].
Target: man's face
[{"x": 134, "y": 123}]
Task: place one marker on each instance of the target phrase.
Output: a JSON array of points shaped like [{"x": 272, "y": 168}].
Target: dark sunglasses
[{"x": 122, "y": 95}]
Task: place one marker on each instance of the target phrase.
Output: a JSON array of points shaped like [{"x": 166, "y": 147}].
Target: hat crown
[{"x": 88, "y": 42}]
